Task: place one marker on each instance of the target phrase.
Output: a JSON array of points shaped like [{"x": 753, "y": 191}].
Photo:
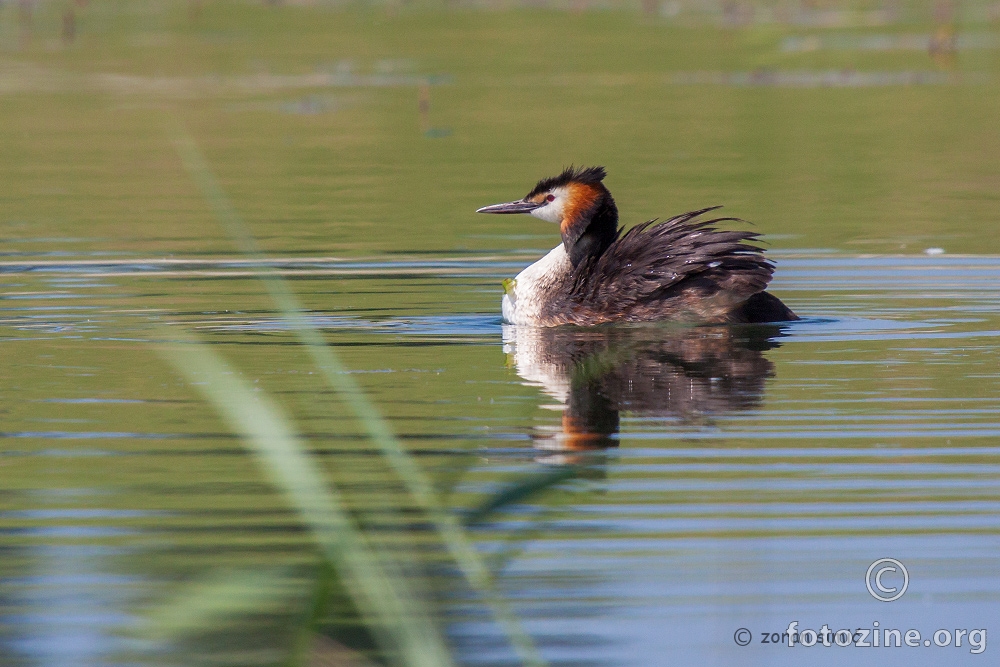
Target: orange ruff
[{"x": 580, "y": 200}]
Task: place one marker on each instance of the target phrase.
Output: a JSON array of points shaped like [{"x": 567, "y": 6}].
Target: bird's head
[{"x": 578, "y": 202}]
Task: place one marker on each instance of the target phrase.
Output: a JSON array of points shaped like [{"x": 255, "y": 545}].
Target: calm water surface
[
  {"x": 640, "y": 493},
  {"x": 689, "y": 482}
]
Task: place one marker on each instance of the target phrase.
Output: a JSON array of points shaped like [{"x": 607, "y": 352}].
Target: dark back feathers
[{"x": 680, "y": 269}]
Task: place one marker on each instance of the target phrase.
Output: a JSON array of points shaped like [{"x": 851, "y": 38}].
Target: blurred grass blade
[
  {"x": 448, "y": 526},
  {"x": 517, "y": 492},
  {"x": 213, "y": 600},
  {"x": 382, "y": 594}
]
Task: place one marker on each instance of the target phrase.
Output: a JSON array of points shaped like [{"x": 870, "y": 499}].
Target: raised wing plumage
[{"x": 681, "y": 269}]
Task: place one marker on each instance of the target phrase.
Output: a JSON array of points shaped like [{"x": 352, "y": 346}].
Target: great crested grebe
[{"x": 682, "y": 269}]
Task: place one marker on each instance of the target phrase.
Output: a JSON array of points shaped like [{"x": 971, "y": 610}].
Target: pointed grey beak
[{"x": 519, "y": 206}]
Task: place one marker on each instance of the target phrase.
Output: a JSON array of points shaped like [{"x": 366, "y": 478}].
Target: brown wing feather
[{"x": 680, "y": 269}]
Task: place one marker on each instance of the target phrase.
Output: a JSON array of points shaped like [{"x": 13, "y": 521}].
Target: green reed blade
[
  {"x": 382, "y": 593},
  {"x": 212, "y": 600},
  {"x": 448, "y": 526},
  {"x": 520, "y": 490}
]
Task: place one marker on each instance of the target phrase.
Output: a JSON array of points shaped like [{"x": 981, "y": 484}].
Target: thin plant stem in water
[
  {"x": 387, "y": 604},
  {"x": 448, "y": 525}
]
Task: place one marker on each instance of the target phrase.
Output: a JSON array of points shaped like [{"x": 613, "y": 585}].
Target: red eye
[{"x": 550, "y": 198}]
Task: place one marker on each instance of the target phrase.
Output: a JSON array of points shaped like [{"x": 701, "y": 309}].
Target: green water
[{"x": 727, "y": 478}]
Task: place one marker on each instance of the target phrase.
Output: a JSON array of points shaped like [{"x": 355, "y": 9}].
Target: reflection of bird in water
[
  {"x": 688, "y": 374},
  {"x": 943, "y": 44},
  {"x": 681, "y": 270}
]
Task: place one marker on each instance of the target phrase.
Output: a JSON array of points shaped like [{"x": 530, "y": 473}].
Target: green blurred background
[
  {"x": 351, "y": 129},
  {"x": 371, "y": 133}
]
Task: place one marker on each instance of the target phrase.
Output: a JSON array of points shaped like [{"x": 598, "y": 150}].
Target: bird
[{"x": 683, "y": 269}]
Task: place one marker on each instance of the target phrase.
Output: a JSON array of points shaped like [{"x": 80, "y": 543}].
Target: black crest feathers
[{"x": 588, "y": 175}]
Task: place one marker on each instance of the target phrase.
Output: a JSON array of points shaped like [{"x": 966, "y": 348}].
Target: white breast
[{"x": 535, "y": 287}]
